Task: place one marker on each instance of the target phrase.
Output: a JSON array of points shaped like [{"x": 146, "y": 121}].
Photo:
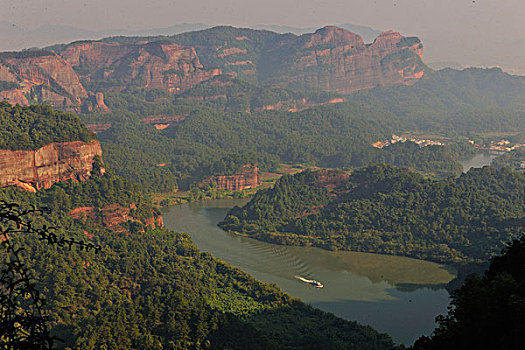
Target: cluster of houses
[
  {"x": 395, "y": 139},
  {"x": 503, "y": 146}
]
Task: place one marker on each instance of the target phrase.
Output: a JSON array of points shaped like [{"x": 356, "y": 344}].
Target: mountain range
[{"x": 330, "y": 59}]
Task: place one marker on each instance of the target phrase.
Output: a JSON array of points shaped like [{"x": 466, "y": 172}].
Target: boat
[{"x": 314, "y": 283}]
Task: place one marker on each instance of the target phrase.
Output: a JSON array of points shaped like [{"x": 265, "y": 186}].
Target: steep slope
[
  {"x": 40, "y": 146},
  {"x": 154, "y": 65},
  {"x": 331, "y": 59},
  {"x": 334, "y": 59},
  {"x": 43, "y": 77}
]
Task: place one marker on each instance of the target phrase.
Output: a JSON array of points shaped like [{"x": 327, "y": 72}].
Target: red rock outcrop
[
  {"x": 48, "y": 78},
  {"x": 329, "y": 178},
  {"x": 246, "y": 178},
  {"x": 98, "y": 127},
  {"x": 15, "y": 96},
  {"x": 167, "y": 66},
  {"x": 334, "y": 59},
  {"x": 47, "y": 165},
  {"x": 113, "y": 215},
  {"x": 161, "y": 122}
]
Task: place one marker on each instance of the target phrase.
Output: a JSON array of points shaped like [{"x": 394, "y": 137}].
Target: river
[
  {"x": 477, "y": 161},
  {"x": 396, "y": 295}
]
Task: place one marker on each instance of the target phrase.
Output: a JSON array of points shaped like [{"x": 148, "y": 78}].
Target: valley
[
  {"x": 395, "y": 295},
  {"x": 274, "y": 146}
]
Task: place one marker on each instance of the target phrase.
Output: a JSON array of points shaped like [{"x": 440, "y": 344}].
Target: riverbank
[{"x": 397, "y": 295}]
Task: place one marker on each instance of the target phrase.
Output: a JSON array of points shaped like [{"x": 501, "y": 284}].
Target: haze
[{"x": 455, "y": 32}]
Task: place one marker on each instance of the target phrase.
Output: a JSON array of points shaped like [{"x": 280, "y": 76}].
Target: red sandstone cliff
[
  {"x": 34, "y": 170},
  {"x": 113, "y": 215},
  {"x": 331, "y": 59},
  {"x": 334, "y": 59},
  {"x": 246, "y": 178},
  {"x": 167, "y": 66},
  {"x": 47, "y": 78}
]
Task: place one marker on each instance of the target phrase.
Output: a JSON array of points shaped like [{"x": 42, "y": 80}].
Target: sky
[{"x": 469, "y": 32}]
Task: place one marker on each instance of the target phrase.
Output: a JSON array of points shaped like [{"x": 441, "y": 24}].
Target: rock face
[
  {"x": 329, "y": 178},
  {"x": 43, "y": 78},
  {"x": 34, "y": 170},
  {"x": 171, "y": 67},
  {"x": 113, "y": 215},
  {"x": 331, "y": 59},
  {"x": 334, "y": 59},
  {"x": 246, "y": 178}
]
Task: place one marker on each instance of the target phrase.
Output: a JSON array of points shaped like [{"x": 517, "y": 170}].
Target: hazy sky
[{"x": 451, "y": 29}]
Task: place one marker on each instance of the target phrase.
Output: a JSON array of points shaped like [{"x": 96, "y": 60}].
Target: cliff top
[{"x": 31, "y": 127}]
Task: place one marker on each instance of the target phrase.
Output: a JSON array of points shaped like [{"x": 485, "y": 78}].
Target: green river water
[{"x": 396, "y": 295}]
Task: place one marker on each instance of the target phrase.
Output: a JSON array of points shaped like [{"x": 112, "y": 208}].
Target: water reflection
[
  {"x": 477, "y": 161},
  {"x": 396, "y": 295}
]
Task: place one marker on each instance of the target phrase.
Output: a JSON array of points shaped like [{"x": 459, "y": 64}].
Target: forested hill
[
  {"x": 384, "y": 209},
  {"x": 153, "y": 289},
  {"x": 29, "y": 128},
  {"x": 456, "y": 102},
  {"x": 337, "y": 135},
  {"x": 487, "y": 311}
]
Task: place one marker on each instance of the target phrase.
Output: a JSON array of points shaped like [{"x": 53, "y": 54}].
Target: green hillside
[
  {"x": 384, "y": 209},
  {"x": 29, "y": 128},
  {"x": 153, "y": 289}
]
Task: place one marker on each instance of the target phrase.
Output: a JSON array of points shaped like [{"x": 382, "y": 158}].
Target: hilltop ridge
[{"x": 75, "y": 76}]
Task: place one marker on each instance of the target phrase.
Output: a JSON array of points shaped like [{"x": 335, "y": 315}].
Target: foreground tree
[
  {"x": 23, "y": 321},
  {"x": 486, "y": 312}
]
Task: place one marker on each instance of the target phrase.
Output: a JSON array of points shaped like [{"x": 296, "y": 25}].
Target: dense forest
[
  {"x": 224, "y": 116},
  {"x": 511, "y": 160},
  {"x": 487, "y": 311},
  {"x": 467, "y": 102},
  {"x": 31, "y": 127},
  {"x": 332, "y": 136},
  {"x": 153, "y": 289},
  {"x": 384, "y": 209}
]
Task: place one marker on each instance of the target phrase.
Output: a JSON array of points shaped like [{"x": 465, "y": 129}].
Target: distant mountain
[
  {"x": 332, "y": 59},
  {"x": 367, "y": 33}
]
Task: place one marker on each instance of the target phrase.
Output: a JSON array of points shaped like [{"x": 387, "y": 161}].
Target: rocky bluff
[
  {"x": 334, "y": 59},
  {"x": 41, "y": 168},
  {"x": 247, "y": 177},
  {"x": 39, "y": 76},
  {"x": 158, "y": 64},
  {"x": 331, "y": 59}
]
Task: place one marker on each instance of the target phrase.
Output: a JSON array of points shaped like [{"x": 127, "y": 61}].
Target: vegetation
[
  {"x": 511, "y": 160},
  {"x": 29, "y": 128},
  {"x": 452, "y": 102},
  {"x": 227, "y": 94},
  {"x": 155, "y": 289},
  {"x": 486, "y": 312},
  {"x": 23, "y": 322},
  {"x": 24, "y": 54},
  {"x": 334, "y": 136},
  {"x": 449, "y": 103},
  {"x": 384, "y": 209}
]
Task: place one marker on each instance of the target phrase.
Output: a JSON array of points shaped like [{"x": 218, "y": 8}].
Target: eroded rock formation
[
  {"x": 113, "y": 216},
  {"x": 334, "y": 59},
  {"x": 34, "y": 170},
  {"x": 246, "y": 178},
  {"x": 43, "y": 78},
  {"x": 167, "y": 66}
]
